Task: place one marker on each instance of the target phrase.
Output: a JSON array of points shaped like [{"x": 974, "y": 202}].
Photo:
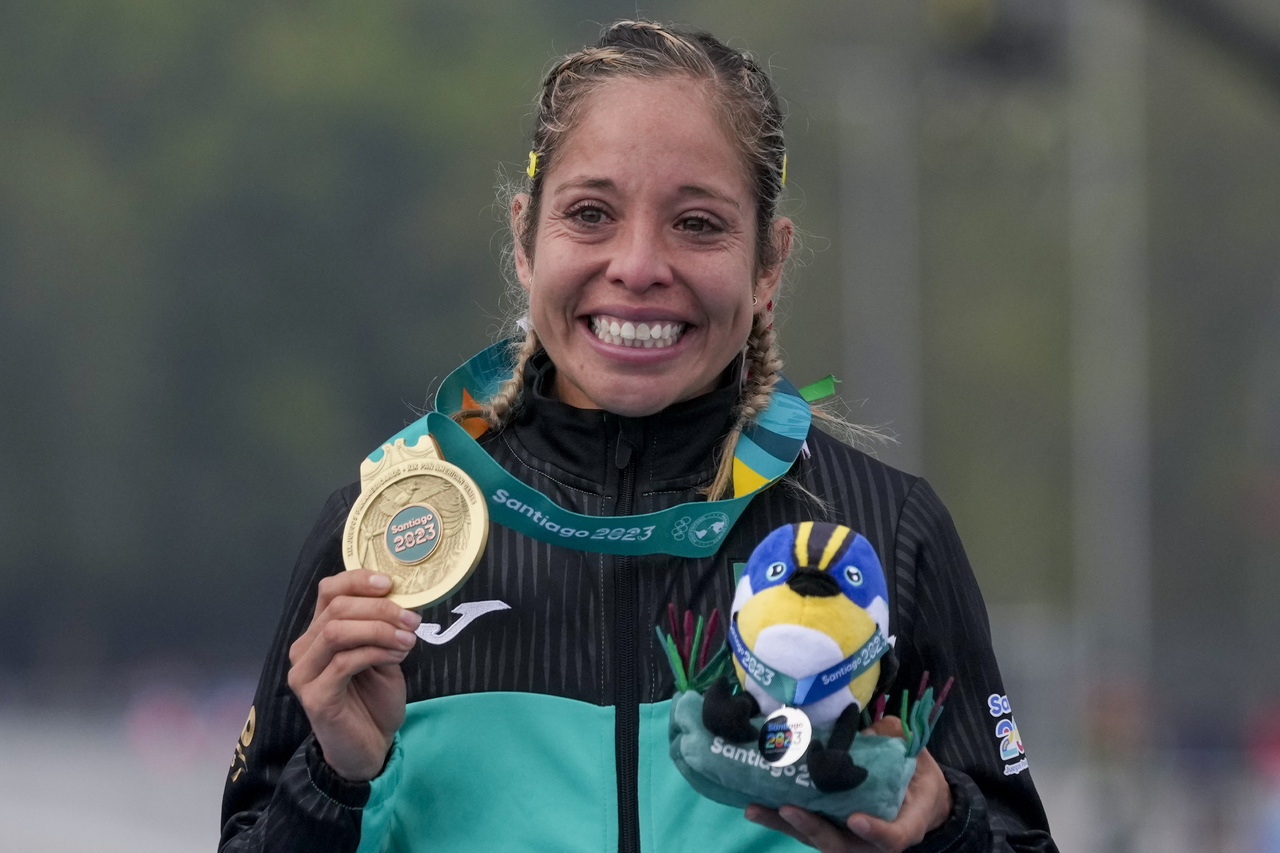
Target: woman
[{"x": 649, "y": 247}]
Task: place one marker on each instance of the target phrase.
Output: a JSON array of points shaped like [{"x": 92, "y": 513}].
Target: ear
[
  {"x": 767, "y": 278},
  {"x": 524, "y": 264}
]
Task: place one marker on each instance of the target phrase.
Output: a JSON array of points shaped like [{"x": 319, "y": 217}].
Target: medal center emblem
[
  {"x": 413, "y": 533},
  {"x": 785, "y": 736}
]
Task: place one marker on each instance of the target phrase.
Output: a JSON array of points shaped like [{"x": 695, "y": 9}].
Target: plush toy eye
[
  {"x": 853, "y": 575},
  {"x": 775, "y": 571}
]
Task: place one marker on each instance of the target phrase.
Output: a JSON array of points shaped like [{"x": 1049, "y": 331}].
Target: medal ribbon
[
  {"x": 811, "y": 688},
  {"x": 765, "y": 452}
]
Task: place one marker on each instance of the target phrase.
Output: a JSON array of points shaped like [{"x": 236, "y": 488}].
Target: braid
[
  {"x": 764, "y": 366},
  {"x": 497, "y": 410}
]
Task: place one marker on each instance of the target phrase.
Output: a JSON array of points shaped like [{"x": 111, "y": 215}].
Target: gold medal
[{"x": 419, "y": 520}]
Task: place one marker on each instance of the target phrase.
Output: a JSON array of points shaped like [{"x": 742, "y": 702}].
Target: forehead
[{"x": 640, "y": 132}]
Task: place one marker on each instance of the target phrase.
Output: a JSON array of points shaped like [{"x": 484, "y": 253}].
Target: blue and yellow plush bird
[{"x": 809, "y": 629}]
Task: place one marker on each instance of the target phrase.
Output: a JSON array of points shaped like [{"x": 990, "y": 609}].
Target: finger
[
  {"x": 770, "y": 819},
  {"x": 889, "y": 726},
  {"x": 926, "y": 806},
  {"x": 932, "y": 788},
  {"x": 348, "y": 609},
  {"x": 881, "y": 834},
  {"x": 356, "y": 582},
  {"x": 336, "y": 597},
  {"x": 888, "y": 837},
  {"x": 341, "y": 635},
  {"x": 362, "y": 608},
  {"x": 329, "y": 687},
  {"x": 820, "y": 832}
]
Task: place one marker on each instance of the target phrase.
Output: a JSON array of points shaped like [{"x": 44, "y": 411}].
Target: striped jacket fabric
[{"x": 538, "y": 697}]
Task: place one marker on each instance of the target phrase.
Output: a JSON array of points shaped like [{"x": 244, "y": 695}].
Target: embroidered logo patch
[
  {"x": 467, "y": 613},
  {"x": 1010, "y": 740},
  {"x": 246, "y": 738}
]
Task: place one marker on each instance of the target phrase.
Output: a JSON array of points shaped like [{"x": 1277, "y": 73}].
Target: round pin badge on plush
[{"x": 774, "y": 717}]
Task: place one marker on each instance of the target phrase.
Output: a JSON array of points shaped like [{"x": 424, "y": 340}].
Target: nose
[
  {"x": 812, "y": 583},
  {"x": 639, "y": 261}
]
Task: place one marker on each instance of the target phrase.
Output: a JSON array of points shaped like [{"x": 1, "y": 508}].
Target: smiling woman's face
[{"x": 644, "y": 261}]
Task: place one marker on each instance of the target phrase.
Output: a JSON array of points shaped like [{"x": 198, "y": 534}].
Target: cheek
[
  {"x": 728, "y": 297},
  {"x": 734, "y": 322},
  {"x": 550, "y": 298}
]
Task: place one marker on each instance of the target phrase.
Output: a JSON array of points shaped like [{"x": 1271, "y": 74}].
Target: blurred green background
[{"x": 239, "y": 242}]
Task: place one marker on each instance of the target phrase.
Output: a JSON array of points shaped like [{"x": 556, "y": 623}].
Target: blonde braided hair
[
  {"x": 763, "y": 367},
  {"x": 499, "y": 408}
]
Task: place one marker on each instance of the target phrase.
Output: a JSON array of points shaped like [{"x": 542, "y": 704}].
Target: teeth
[{"x": 625, "y": 333}]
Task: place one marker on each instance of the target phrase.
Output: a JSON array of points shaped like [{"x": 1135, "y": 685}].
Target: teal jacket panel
[
  {"x": 497, "y": 771},
  {"x": 674, "y": 817}
]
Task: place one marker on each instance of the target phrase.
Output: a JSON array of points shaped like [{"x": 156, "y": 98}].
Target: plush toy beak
[{"x": 812, "y": 583}]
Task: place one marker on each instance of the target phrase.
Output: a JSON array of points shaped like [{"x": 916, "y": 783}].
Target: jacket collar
[{"x": 675, "y": 448}]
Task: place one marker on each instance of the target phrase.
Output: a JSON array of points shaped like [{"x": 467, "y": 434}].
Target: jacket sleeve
[
  {"x": 280, "y": 794},
  {"x": 943, "y": 629}
]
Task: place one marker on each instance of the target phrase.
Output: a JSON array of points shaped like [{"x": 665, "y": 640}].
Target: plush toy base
[{"x": 736, "y": 775}]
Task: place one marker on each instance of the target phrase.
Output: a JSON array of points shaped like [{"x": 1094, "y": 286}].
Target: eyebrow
[
  {"x": 585, "y": 183},
  {"x": 694, "y": 190},
  {"x": 700, "y": 191}
]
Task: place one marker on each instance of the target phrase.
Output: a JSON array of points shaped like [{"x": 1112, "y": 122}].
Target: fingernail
[
  {"x": 380, "y": 582},
  {"x": 404, "y": 638},
  {"x": 859, "y": 826},
  {"x": 410, "y": 619}
]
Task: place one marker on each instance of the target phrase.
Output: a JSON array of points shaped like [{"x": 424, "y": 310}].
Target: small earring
[{"x": 755, "y": 300}]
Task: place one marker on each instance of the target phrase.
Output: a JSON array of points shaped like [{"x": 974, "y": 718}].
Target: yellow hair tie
[
  {"x": 784, "y": 170},
  {"x": 533, "y": 164}
]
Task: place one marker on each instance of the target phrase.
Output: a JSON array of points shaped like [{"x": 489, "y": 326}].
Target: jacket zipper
[{"x": 626, "y": 701}]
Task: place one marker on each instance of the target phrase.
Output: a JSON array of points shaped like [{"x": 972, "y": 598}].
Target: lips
[{"x": 653, "y": 334}]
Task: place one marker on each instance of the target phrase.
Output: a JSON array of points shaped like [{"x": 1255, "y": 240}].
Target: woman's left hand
[{"x": 926, "y": 806}]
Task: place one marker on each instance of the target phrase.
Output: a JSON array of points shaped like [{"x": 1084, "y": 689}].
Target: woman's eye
[
  {"x": 853, "y": 575},
  {"x": 696, "y": 225},
  {"x": 588, "y": 215}
]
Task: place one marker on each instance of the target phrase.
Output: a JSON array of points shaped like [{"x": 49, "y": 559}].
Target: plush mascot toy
[
  {"x": 808, "y": 632},
  {"x": 809, "y": 628}
]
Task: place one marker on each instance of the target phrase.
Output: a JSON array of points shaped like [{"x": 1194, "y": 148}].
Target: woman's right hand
[{"x": 345, "y": 670}]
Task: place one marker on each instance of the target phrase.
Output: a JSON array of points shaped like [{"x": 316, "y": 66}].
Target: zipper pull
[
  {"x": 630, "y": 437},
  {"x": 623, "y": 457}
]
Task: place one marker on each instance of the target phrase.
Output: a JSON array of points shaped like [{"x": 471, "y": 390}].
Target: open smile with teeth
[{"x": 652, "y": 335}]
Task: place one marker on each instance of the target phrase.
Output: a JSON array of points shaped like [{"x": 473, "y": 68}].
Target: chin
[
  {"x": 633, "y": 405},
  {"x": 622, "y": 394}
]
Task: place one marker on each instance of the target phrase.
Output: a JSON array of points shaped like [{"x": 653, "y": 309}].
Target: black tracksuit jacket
[{"x": 570, "y": 662}]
